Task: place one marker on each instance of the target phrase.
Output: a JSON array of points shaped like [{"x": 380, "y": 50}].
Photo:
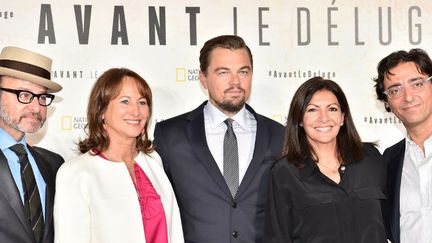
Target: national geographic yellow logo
[
  {"x": 186, "y": 75},
  {"x": 66, "y": 123},
  {"x": 69, "y": 122},
  {"x": 181, "y": 74}
]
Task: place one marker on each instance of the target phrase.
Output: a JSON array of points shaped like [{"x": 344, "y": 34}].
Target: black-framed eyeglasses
[
  {"x": 26, "y": 97},
  {"x": 415, "y": 85}
]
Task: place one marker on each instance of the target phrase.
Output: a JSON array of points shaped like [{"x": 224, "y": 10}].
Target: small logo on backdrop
[
  {"x": 66, "y": 122},
  {"x": 181, "y": 74},
  {"x": 69, "y": 122},
  {"x": 186, "y": 75}
]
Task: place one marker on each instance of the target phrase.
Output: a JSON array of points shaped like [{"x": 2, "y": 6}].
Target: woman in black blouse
[{"x": 328, "y": 186}]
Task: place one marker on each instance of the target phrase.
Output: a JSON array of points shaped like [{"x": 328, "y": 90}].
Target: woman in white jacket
[{"x": 117, "y": 190}]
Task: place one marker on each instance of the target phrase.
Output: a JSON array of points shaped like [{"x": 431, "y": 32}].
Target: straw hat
[{"x": 27, "y": 65}]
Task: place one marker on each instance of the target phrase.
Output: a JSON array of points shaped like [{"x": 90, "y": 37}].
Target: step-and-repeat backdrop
[{"x": 291, "y": 40}]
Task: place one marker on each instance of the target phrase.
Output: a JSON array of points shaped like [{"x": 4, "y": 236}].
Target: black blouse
[{"x": 304, "y": 205}]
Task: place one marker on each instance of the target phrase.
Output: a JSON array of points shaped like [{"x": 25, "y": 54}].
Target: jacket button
[
  {"x": 234, "y": 204},
  {"x": 235, "y": 234}
]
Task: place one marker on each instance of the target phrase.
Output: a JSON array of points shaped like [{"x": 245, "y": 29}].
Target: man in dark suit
[
  {"x": 404, "y": 85},
  {"x": 27, "y": 174},
  {"x": 219, "y": 167}
]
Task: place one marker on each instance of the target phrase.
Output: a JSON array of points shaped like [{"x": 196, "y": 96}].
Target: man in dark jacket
[
  {"x": 27, "y": 173},
  {"x": 219, "y": 155},
  {"x": 404, "y": 85}
]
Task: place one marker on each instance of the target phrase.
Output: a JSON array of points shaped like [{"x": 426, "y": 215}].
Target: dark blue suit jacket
[
  {"x": 209, "y": 213},
  {"x": 394, "y": 157}
]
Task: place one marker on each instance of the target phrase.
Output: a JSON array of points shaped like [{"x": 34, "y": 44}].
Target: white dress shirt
[
  {"x": 416, "y": 193},
  {"x": 245, "y": 127}
]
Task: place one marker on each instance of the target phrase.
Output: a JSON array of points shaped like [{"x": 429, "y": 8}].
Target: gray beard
[{"x": 4, "y": 115}]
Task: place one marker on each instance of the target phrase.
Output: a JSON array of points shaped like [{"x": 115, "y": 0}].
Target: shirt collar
[
  {"x": 410, "y": 142},
  {"x": 216, "y": 117},
  {"x": 428, "y": 141},
  {"x": 7, "y": 140},
  {"x": 410, "y": 145}
]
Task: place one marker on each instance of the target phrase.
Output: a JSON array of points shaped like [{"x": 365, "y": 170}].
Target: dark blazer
[
  {"x": 14, "y": 226},
  {"x": 209, "y": 213},
  {"x": 394, "y": 157}
]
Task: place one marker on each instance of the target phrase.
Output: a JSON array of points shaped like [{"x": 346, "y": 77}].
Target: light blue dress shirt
[{"x": 7, "y": 141}]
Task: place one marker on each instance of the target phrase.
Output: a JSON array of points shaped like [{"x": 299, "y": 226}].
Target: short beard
[
  {"x": 7, "y": 120},
  {"x": 231, "y": 106}
]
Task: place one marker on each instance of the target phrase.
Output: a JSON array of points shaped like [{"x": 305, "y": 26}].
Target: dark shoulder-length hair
[
  {"x": 107, "y": 88},
  {"x": 297, "y": 147}
]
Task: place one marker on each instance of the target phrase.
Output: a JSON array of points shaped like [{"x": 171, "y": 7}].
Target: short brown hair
[
  {"x": 231, "y": 42},
  {"x": 106, "y": 88}
]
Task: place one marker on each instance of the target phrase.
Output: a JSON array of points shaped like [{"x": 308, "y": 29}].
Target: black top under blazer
[{"x": 208, "y": 211}]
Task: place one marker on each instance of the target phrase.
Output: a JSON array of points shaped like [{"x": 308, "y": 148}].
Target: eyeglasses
[
  {"x": 415, "y": 85},
  {"x": 26, "y": 97}
]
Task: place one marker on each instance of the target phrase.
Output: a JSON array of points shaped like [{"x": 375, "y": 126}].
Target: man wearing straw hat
[{"x": 27, "y": 174}]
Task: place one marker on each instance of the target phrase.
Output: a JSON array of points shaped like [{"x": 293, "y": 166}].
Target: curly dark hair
[{"x": 416, "y": 55}]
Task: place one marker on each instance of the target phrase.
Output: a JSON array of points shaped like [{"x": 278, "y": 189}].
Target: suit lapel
[
  {"x": 261, "y": 144},
  {"x": 50, "y": 188},
  {"x": 195, "y": 131},
  {"x": 395, "y": 174},
  {"x": 9, "y": 191}
]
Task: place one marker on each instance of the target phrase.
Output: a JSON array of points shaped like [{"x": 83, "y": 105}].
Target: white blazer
[{"x": 96, "y": 201}]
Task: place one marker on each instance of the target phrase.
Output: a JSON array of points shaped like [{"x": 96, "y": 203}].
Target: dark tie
[
  {"x": 230, "y": 157},
  {"x": 32, "y": 203}
]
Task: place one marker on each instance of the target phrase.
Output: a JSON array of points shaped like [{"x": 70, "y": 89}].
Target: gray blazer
[
  {"x": 14, "y": 226},
  {"x": 208, "y": 211}
]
